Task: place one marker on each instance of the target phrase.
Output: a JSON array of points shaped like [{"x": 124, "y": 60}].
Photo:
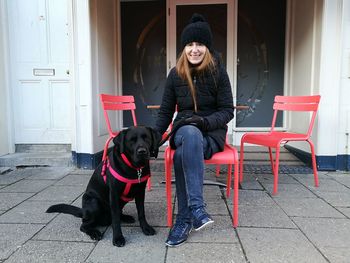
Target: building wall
[
  {"x": 344, "y": 102},
  {"x": 4, "y": 134},
  {"x": 103, "y": 49},
  {"x": 304, "y": 68}
]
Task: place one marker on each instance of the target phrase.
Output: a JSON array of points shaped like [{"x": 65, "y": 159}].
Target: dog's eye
[{"x": 133, "y": 139}]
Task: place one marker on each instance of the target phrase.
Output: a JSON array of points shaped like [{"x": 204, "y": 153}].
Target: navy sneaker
[
  {"x": 201, "y": 218},
  {"x": 178, "y": 234}
]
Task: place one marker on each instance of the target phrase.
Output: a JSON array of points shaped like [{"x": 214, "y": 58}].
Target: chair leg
[
  {"x": 168, "y": 189},
  {"x": 149, "y": 184},
  {"x": 271, "y": 161},
  {"x": 228, "y": 180},
  {"x": 314, "y": 167},
  {"x": 275, "y": 172},
  {"x": 235, "y": 192},
  {"x": 217, "y": 172},
  {"x": 241, "y": 162}
]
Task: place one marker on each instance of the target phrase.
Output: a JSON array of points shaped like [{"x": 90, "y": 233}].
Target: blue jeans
[{"x": 189, "y": 169}]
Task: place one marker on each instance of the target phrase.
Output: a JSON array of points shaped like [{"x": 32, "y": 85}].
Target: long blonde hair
[{"x": 184, "y": 70}]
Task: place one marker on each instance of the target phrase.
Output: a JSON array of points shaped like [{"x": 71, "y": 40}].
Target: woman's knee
[{"x": 189, "y": 131}]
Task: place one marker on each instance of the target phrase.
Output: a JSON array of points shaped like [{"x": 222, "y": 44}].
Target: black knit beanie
[{"x": 198, "y": 30}]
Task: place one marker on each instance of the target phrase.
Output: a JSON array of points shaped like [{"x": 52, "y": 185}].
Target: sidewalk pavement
[{"x": 301, "y": 224}]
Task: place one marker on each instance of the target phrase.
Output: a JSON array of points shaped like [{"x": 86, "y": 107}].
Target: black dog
[{"x": 120, "y": 179}]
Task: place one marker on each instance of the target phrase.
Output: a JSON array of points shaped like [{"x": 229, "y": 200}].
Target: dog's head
[{"x": 138, "y": 143}]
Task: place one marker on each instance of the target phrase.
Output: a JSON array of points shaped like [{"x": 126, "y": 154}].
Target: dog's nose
[{"x": 141, "y": 151}]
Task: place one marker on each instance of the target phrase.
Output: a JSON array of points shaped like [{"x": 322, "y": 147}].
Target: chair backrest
[
  {"x": 117, "y": 103},
  {"x": 296, "y": 103}
]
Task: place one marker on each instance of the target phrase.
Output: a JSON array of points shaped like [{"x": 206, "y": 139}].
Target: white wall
[
  {"x": 81, "y": 81},
  {"x": 103, "y": 48},
  {"x": 344, "y": 102},
  {"x": 4, "y": 143},
  {"x": 304, "y": 68},
  {"x": 329, "y": 125}
]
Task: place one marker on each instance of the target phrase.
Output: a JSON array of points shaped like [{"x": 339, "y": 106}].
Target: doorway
[
  {"x": 248, "y": 34},
  {"x": 39, "y": 51}
]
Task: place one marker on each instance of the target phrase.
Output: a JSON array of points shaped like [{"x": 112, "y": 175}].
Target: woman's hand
[{"x": 197, "y": 121}]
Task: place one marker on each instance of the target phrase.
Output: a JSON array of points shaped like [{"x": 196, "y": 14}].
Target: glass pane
[
  {"x": 260, "y": 65},
  {"x": 143, "y": 25},
  {"x": 215, "y": 14}
]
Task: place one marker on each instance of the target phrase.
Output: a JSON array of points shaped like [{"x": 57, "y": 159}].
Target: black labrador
[{"x": 115, "y": 182}]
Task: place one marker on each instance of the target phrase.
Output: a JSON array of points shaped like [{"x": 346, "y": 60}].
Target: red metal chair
[
  {"x": 229, "y": 156},
  {"x": 117, "y": 103},
  {"x": 275, "y": 139}
]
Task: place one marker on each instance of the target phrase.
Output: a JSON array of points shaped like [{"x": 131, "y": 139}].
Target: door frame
[
  {"x": 9, "y": 79},
  {"x": 231, "y": 45}
]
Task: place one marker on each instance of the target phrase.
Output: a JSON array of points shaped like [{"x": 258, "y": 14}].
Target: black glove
[{"x": 197, "y": 121}]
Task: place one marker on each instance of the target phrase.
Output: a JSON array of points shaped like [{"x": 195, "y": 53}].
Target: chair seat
[
  {"x": 227, "y": 156},
  {"x": 273, "y": 139}
]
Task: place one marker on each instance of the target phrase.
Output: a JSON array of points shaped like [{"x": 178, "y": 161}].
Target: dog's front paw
[
  {"x": 119, "y": 241},
  {"x": 147, "y": 229},
  {"x": 94, "y": 234}
]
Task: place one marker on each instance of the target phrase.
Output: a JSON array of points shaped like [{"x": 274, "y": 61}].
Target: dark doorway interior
[
  {"x": 143, "y": 36},
  {"x": 260, "y": 60}
]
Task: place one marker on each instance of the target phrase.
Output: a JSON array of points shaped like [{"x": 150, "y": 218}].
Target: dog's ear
[
  {"x": 155, "y": 142},
  {"x": 119, "y": 141}
]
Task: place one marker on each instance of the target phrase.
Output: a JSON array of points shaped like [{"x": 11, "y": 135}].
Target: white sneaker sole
[{"x": 204, "y": 225}]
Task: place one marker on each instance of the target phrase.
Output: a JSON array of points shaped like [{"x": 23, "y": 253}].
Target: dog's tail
[{"x": 66, "y": 209}]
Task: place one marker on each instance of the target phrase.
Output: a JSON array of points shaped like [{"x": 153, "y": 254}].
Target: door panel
[
  {"x": 260, "y": 60},
  {"x": 143, "y": 36},
  {"x": 39, "y": 52}
]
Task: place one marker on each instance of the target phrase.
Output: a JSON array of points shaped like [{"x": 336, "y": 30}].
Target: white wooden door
[{"x": 39, "y": 54}]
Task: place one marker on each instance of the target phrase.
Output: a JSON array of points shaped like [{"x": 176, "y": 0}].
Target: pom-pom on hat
[{"x": 198, "y": 30}]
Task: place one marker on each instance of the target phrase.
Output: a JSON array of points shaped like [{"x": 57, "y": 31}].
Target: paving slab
[
  {"x": 282, "y": 179},
  {"x": 335, "y": 198},
  {"x": 63, "y": 193},
  {"x": 344, "y": 210},
  {"x": 264, "y": 216},
  {"x": 285, "y": 190},
  {"x": 74, "y": 180},
  {"x": 138, "y": 247},
  {"x": 249, "y": 197},
  {"x": 50, "y": 173},
  {"x": 251, "y": 185},
  {"x": 342, "y": 178},
  {"x": 307, "y": 207},
  {"x": 326, "y": 232},
  {"x": 64, "y": 228},
  {"x": 156, "y": 213},
  {"x": 27, "y": 186},
  {"x": 52, "y": 251},
  {"x": 15, "y": 176},
  {"x": 206, "y": 252},
  {"x": 9, "y": 200},
  {"x": 278, "y": 245},
  {"x": 336, "y": 254},
  {"x": 221, "y": 231},
  {"x": 330, "y": 186},
  {"x": 4, "y": 169},
  {"x": 28, "y": 212},
  {"x": 14, "y": 236}
]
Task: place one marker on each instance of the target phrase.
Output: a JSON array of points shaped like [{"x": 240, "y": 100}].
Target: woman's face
[{"x": 195, "y": 52}]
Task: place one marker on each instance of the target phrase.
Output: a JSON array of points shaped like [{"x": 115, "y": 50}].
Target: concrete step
[
  {"x": 36, "y": 159},
  {"x": 38, "y": 155}
]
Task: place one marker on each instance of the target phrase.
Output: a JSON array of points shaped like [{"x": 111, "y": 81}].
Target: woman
[{"x": 199, "y": 89}]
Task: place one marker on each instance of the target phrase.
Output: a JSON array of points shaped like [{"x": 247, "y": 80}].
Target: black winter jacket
[{"x": 214, "y": 103}]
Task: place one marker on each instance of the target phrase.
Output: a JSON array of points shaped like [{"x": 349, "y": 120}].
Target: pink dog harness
[{"x": 127, "y": 181}]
